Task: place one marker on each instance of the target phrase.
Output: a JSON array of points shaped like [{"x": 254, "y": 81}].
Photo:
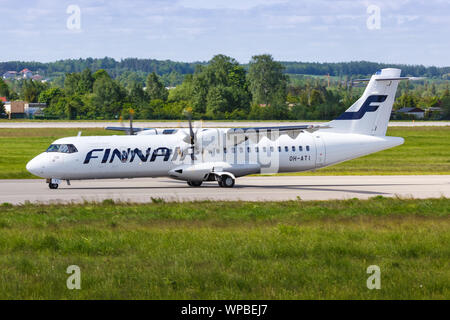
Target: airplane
[{"x": 196, "y": 155}]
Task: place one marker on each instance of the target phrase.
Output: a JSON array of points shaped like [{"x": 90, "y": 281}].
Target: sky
[{"x": 394, "y": 31}]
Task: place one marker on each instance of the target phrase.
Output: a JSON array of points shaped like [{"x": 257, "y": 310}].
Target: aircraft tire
[
  {"x": 195, "y": 183},
  {"x": 53, "y": 185},
  {"x": 228, "y": 182}
]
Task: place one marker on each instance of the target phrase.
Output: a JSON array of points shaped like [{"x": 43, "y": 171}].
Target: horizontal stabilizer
[
  {"x": 390, "y": 79},
  {"x": 125, "y": 129}
]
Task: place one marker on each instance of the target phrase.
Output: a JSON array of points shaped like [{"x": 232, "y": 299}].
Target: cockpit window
[{"x": 63, "y": 148}]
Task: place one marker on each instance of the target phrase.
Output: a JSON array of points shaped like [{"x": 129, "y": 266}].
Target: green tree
[
  {"x": 267, "y": 82},
  {"x": 100, "y": 74},
  {"x": 86, "y": 82},
  {"x": 51, "y": 96},
  {"x": 155, "y": 88},
  {"x": 316, "y": 98},
  {"x": 445, "y": 104},
  {"x": 218, "y": 89},
  {"x": 4, "y": 89},
  {"x": 108, "y": 98},
  {"x": 406, "y": 100},
  {"x": 71, "y": 83},
  {"x": 32, "y": 89}
]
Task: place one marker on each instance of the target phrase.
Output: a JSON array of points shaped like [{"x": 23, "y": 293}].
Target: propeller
[
  {"x": 130, "y": 130},
  {"x": 190, "y": 138}
]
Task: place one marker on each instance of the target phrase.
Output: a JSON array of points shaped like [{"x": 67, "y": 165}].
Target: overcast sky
[{"x": 410, "y": 31}]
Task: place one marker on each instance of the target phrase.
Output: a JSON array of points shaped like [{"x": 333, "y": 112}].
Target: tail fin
[{"x": 370, "y": 114}]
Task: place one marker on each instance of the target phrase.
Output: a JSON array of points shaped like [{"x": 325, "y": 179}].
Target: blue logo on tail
[{"x": 370, "y": 105}]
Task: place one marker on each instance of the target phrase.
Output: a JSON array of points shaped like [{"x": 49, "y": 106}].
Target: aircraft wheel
[
  {"x": 53, "y": 185},
  {"x": 227, "y": 182},
  {"x": 195, "y": 183}
]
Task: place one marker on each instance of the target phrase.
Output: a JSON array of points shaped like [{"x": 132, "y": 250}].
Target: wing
[
  {"x": 126, "y": 129},
  {"x": 255, "y": 134}
]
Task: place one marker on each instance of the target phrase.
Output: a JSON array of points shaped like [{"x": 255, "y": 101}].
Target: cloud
[
  {"x": 331, "y": 30},
  {"x": 228, "y": 4}
]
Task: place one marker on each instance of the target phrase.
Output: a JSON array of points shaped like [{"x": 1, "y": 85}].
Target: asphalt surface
[
  {"x": 275, "y": 188},
  {"x": 175, "y": 124}
]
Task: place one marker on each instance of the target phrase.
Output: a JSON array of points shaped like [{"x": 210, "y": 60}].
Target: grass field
[
  {"x": 233, "y": 250},
  {"x": 426, "y": 151}
]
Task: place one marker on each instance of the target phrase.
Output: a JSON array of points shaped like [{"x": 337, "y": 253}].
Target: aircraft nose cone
[
  {"x": 37, "y": 166},
  {"x": 32, "y": 166}
]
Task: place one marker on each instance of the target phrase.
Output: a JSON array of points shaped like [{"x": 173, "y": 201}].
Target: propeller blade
[
  {"x": 191, "y": 131},
  {"x": 191, "y": 136},
  {"x": 131, "y": 132}
]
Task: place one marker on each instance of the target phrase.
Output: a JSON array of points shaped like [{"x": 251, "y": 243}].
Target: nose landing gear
[{"x": 53, "y": 183}]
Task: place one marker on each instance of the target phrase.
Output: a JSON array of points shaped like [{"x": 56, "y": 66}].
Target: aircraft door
[{"x": 320, "y": 151}]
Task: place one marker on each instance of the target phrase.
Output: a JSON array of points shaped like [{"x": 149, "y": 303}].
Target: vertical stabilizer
[{"x": 370, "y": 114}]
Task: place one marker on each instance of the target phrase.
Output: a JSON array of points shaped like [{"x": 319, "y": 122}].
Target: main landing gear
[
  {"x": 224, "y": 181},
  {"x": 194, "y": 183}
]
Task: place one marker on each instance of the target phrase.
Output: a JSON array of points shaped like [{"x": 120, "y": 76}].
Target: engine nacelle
[
  {"x": 195, "y": 172},
  {"x": 207, "y": 170}
]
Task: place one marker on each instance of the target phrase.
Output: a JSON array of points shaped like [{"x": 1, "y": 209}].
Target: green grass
[
  {"x": 233, "y": 250},
  {"x": 426, "y": 151}
]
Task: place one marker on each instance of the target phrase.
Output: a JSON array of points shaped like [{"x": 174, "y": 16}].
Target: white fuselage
[{"x": 159, "y": 155}]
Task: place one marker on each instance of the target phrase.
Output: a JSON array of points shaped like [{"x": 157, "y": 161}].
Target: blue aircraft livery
[
  {"x": 129, "y": 154},
  {"x": 370, "y": 105}
]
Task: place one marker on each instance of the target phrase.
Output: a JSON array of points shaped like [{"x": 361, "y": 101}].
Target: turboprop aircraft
[{"x": 197, "y": 154}]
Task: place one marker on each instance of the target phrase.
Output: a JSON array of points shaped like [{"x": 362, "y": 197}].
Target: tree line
[
  {"x": 219, "y": 89},
  {"x": 162, "y": 67}
]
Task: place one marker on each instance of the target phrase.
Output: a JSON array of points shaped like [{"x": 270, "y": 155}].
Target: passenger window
[
  {"x": 293, "y": 148},
  {"x": 279, "y": 149},
  {"x": 286, "y": 148},
  {"x": 271, "y": 149},
  {"x": 307, "y": 148},
  {"x": 264, "y": 149},
  {"x": 300, "y": 148},
  {"x": 248, "y": 149},
  {"x": 256, "y": 149},
  {"x": 241, "y": 149},
  {"x": 224, "y": 150}
]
